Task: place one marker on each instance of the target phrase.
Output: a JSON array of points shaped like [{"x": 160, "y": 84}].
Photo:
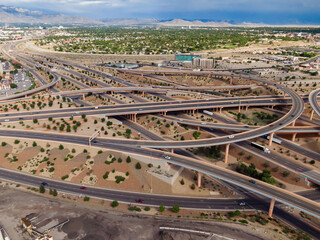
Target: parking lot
[{"x": 22, "y": 81}]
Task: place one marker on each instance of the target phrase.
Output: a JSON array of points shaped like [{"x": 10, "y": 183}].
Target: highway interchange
[{"x": 144, "y": 147}]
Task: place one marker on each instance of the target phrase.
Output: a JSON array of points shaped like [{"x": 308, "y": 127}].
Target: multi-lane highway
[
  {"x": 313, "y": 100},
  {"x": 137, "y": 147}
]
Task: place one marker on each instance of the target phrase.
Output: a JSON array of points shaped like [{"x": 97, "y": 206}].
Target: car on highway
[
  {"x": 252, "y": 181},
  {"x": 44, "y": 184},
  {"x": 139, "y": 200},
  {"x": 6, "y": 120},
  {"x": 167, "y": 157},
  {"x": 20, "y": 118},
  {"x": 203, "y": 123},
  {"x": 271, "y": 125},
  {"x": 231, "y": 136},
  {"x": 242, "y": 203},
  {"x": 83, "y": 188},
  {"x": 140, "y": 109}
]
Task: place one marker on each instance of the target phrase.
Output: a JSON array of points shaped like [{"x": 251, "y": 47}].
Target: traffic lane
[
  {"x": 124, "y": 196},
  {"x": 198, "y": 166},
  {"x": 122, "y": 110},
  {"x": 148, "y": 104}
]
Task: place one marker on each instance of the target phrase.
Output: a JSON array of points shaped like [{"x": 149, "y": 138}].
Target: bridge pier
[
  {"x": 294, "y": 137},
  {"x": 229, "y": 92},
  {"x": 83, "y": 97},
  {"x": 172, "y": 150},
  {"x": 271, "y": 138},
  {"x": 231, "y": 81},
  {"x": 199, "y": 179},
  {"x": 272, "y": 202},
  {"x": 311, "y": 115},
  {"x": 198, "y": 128},
  {"x": 247, "y": 107},
  {"x": 135, "y": 117},
  {"x": 193, "y": 111},
  {"x": 293, "y": 123},
  {"x": 221, "y": 109},
  {"x": 226, "y": 155}
]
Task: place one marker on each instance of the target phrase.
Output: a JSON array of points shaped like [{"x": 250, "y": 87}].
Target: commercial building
[
  {"x": 188, "y": 57},
  {"x": 202, "y": 63}
]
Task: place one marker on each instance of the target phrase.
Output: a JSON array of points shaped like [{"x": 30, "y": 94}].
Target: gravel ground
[{"x": 97, "y": 222}]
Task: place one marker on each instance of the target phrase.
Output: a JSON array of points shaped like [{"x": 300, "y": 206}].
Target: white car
[
  {"x": 242, "y": 203},
  {"x": 203, "y": 123},
  {"x": 6, "y": 120},
  {"x": 167, "y": 157},
  {"x": 231, "y": 136}
]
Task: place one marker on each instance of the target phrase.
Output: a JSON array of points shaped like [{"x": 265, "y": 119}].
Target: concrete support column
[
  {"x": 294, "y": 137},
  {"x": 271, "y": 138},
  {"x": 165, "y": 113},
  {"x": 293, "y": 123},
  {"x": 198, "y": 128},
  {"x": 172, "y": 150},
  {"x": 135, "y": 117},
  {"x": 239, "y": 108},
  {"x": 83, "y": 97},
  {"x": 231, "y": 81},
  {"x": 311, "y": 116},
  {"x": 142, "y": 74},
  {"x": 272, "y": 107},
  {"x": 247, "y": 107},
  {"x": 221, "y": 109},
  {"x": 273, "y": 201},
  {"x": 226, "y": 155},
  {"x": 229, "y": 92},
  {"x": 199, "y": 179}
]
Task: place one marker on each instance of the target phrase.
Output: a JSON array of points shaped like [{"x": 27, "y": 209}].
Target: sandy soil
[{"x": 100, "y": 222}]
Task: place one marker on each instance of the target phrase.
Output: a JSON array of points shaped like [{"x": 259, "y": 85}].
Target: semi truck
[
  {"x": 256, "y": 145},
  {"x": 276, "y": 140},
  {"x": 208, "y": 113}
]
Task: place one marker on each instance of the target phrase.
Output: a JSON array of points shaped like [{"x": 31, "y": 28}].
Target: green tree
[
  {"x": 114, "y": 204},
  {"x": 42, "y": 189},
  {"x": 138, "y": 165},
  {"x": 161, "y": 208},
  {"x": 175, "y": 208}
]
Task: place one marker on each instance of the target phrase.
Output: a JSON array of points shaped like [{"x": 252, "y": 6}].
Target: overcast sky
[{"x": 267, "y": 11}]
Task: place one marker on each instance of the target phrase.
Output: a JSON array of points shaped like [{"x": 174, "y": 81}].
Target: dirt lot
[{"x": 101, "y": 223}]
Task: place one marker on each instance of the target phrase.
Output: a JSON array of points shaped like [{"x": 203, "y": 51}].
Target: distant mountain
[
  {"x": 170, "y": 23},
  {"x": 26, "y": 16},
  {"x": 129, "y": 21}
]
